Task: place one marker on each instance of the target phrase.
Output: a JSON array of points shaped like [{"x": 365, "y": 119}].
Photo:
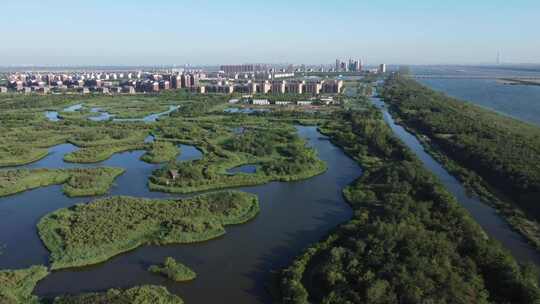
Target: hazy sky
[{"x": 297, "y": 31}]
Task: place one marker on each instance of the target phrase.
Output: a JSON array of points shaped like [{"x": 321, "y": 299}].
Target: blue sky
[{"x": 278, "y": 31}]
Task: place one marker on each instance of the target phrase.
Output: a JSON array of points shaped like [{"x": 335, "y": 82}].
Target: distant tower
[
  {"x": 499, "y": 57},
  {"x": 338, "y": 65}
]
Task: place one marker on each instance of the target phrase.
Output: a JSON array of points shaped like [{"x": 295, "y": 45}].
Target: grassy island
[
  {"x": 76, "y": 182},
  {"x": 96, "y": 154},
  {"x": 91, "y": 233},
  {"x": 174, "y": 270},
  {"x": 16, "y": 286},
  {"x": 161, "y": 152},
  {"x": 280, "y": 154},
  {"x": 136, "y": 295},
  {"x": 409, "y": 240}
]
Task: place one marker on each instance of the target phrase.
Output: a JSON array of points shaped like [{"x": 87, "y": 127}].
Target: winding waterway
[
  {"x": 230, "y": 269},
  {"x": 494, "y": 225},
  {"x": 101, "y": 115}
]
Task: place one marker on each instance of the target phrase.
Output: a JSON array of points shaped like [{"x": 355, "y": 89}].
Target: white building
[{"x": 260, "y": 102}]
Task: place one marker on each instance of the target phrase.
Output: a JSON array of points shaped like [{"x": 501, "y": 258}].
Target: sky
[{"x": 205, "y": 32}]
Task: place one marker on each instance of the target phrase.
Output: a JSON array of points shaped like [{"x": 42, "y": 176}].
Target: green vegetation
[
  {"x": 174, "y": 270},
  {"x": 279, "y": 152},
  {"x": 87, "y": 234},
  {"x": 77, "y": 182},
  {"x": 409, "y": 240},
  {"x": 91, "y": 181},
  {"x": 137, "y": 295},
  {"x": 161, "y": 152},
  {"x": 16, "y": 286},
  {"x": 496, "y": 157},
  {"x": 100, "y": 153},
  {"x": 15, "y": 155}
]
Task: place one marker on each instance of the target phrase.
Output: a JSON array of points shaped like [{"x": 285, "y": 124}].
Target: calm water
[
  {"x": 248, "y": 169},
  {"x": 231, "y": 269},
  {"x": 518, "y": 101},
  {"x": 494, "y": 225}
]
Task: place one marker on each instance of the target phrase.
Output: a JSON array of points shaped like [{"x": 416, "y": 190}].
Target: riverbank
[
  {"x": 495, "y": 157},
  {"x": 139, "y": 294},
  {"x": 405, "y": 225},
  {"x": 16, "y": 286},
  {"x": 76, "y": 182}
]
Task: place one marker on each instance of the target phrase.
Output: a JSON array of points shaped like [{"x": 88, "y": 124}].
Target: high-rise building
[
  {"x": 186, "y": 81},
  {"x": 382, "y": 68},
  {"x": 177, "y": 82},
  {"x": 338, "y": 65},
  {"x": 332, "y": 86},
  {"x": 241, "y": 68},
  {"x": 313, "y": 87},
  {"x": 194, "y": 81},
  {"x": 295, "y": 87},
  {"x": 264, "y": 87},
  {"x": 278, "y": 87}
]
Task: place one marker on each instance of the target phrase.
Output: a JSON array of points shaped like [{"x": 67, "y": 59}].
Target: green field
[{"x": 92, "y": 233}]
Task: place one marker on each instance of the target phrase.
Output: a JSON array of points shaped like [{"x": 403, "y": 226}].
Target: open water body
[
  {"x": 518, "y": 101},
  {"x": 231, "y": 269}
]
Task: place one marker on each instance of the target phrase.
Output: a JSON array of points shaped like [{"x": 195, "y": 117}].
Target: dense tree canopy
[
  {"x": 503, "y": 151},
  {"x": 409, "y": 240}
]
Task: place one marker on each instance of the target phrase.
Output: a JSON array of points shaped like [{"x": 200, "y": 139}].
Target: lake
[{"x": 519, "y": 101}]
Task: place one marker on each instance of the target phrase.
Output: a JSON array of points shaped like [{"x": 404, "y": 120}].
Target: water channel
[
  {"x": 230, "y": 269},
  {"x": 235, "y": 267},
  {"x": 101, "y": 115},
  {"x": 494, "y": 225}
]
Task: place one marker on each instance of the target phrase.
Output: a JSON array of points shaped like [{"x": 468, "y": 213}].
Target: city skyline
[{"x": 213, "y": 33}]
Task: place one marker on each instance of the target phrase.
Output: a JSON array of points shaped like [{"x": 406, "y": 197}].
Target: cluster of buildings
[
  {"x": 266, "y": 102},
  {"x": 255, "y": 71},
  {"x": 357, "y": 66},
  {"x": 227, "y": 79},
  {"x": 107, "y": 83},
  {"x": 351, "y": 66},
  {"x": 308, "y": 87}
]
